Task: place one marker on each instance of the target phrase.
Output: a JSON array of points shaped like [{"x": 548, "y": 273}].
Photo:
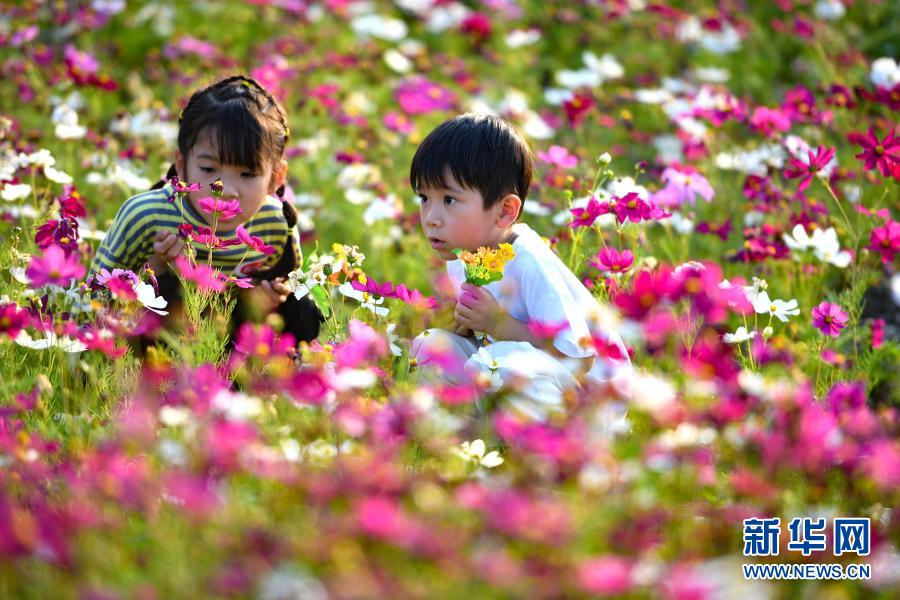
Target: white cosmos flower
[
  {"x": 824, "y": 244},
  {"x": 51, "y": 340},
  {"x": 474, "y": 452},
  {"x": 798, "y": 238},
  {"x": 826, "y": 247},
  {"x": 885, "y": 72},
  {"x": 777, "y": 308},
  {"x": 392, "y": 339},
  {"x": 366, "y": 300},
  {"x": 397, "y": 61},
  {"x": 380, "y": 208},
  {"x": 380, "y": 27},
  {"x": 15, "y": 191},
  {"x": 236, "y": 406},
  {"x": 830, "y": 10},
  {"x": 739, "y": 336},
  {"x": 146, "y": 295},
  {"x": 518, "y": 38},
  {"x": 66, "y": 120},
  {"x": 64, "y": 178}
]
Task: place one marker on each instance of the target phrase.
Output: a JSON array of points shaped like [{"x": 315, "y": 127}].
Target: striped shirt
[{"x": 129, "y": 242}]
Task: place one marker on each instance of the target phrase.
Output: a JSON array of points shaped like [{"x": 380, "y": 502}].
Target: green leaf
[{"x": 320, "y": 297}]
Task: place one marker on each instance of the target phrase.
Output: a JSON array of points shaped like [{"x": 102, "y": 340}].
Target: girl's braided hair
[{"x": 247, "y": 124}]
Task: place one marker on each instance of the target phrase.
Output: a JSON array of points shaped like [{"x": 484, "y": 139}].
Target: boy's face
[
  {"x": 248, "y": 187},
  {"x": 455, "y": 217}
]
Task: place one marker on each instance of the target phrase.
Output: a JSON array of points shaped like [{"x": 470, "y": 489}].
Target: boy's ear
[
  {"x": 179, "y": 164},
  {"x": 279, "y": 175},
  {"x": 510, "y": 207}
]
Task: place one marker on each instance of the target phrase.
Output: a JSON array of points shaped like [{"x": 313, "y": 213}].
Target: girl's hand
[
  {"x": 477, "y": 309},
  {"x": 166, "y": 247},
  {"x": 273, "y": 294}
]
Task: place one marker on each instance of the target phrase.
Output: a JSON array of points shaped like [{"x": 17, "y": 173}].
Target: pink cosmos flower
[
  {"x": 559, "y": 156},
  {"x": 877, "y": 333},
  {"x": 687, "y": 186},
  {"x": 612, "y": 261},
  {"x": 253, "y": 242},
  {"x": 800, "y": 105},
  {"x": 385, "y": 290},
  {"x": 882, "y": 464},
  {"x": 180, "y": 188},
  {"x": 397, "y": 121},
  {"x": 207, "y": 279},
  {"x": 606, "y": 575},
  {"x": 807, "y": 170},
  {"x": 191, "y": 493},
  {"x": 881, "y": 154},
  {"x": 382, "y": 518},
  {"x": 632, "y": 207},
  {"x": 585, "y": 217},
  {"x": 648, "y": 289},
  {"x": 121, "y": 288},
  {"x": 885, "y": 240},
  {"x": 262, "y": 342},
  {"x": 12, "y": 319},
  {"x": 546, "y": 330},
  {"x": 80, "y": 62},
  {"x": 418, "y": 96},
  {"x": 769, "y": 120},
  {"x": 219, "y": 208},
  {"x": 415, "y": 298},
  {"x": 363, "y": 344},
  {"x": 54, "y": 267},
  {"x": 829, "y": 319}
]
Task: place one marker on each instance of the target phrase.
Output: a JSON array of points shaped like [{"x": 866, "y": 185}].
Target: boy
[{"x": 472, "y": 175}]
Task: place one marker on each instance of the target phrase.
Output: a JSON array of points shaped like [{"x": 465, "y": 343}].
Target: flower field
[{"x": 724, "y": 177}]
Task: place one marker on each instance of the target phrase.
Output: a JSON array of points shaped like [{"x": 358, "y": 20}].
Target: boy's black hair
[{"x": 481, "y": 151}]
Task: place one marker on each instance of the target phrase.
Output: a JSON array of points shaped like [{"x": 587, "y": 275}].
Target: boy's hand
[
  {"x": 166, "y": 246},
  {"x": 477, "y": 309},
  {"x": 463, "y": 330}
]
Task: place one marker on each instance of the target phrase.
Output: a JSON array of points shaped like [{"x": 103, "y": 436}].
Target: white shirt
[{"x": 538, "y": 286}]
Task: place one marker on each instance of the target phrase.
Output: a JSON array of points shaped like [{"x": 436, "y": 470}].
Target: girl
[{"x": 231, "y": 134}]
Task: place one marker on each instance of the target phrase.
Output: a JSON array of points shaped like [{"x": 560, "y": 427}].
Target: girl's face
[{"x": 250, "y": 188}]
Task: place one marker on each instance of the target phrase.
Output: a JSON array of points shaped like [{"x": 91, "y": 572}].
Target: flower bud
[
  {"x": 767, "y": 332},
  {"x": 217, "y": 187},
  {"x": 604, "y": 159}
]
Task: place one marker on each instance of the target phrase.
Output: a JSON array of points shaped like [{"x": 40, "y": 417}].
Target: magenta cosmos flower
[
  {"x": 885, "y": 240},
  {"x": 817, "y": 162},
  {"x": 252, "y": 241},
  {"x": 829, "y": 319},
  {"x": 613, "y": 261},
  {"x": 585, "y": 217},
  {"x": 881, "y": 154},
  {"x": 13, "y": 319},
  {"x": 54, "y": 267},
  {"x": 419, "y": 96}
]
